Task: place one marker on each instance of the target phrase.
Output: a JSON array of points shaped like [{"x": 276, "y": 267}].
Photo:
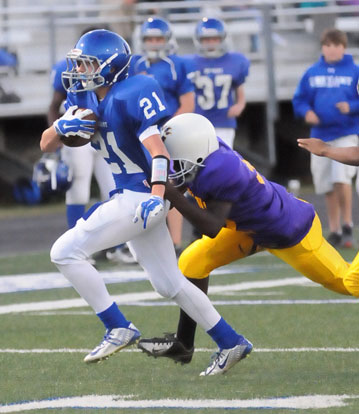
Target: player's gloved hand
[
  {"x": 149, "y": 209},
  {"x": 72, "y": 123}
]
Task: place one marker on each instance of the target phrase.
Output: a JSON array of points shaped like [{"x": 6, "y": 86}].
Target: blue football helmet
[
  {"x": 211, "y": 28},
  {"x": 103, "y": 58},
  {"x": 52, "y": 175},
  {"x": 160, "y": 28}
]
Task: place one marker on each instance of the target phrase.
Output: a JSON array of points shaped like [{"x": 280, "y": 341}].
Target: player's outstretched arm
[
  {"x": 208, "y": 221},
  {"x": 347, "y": 155}
]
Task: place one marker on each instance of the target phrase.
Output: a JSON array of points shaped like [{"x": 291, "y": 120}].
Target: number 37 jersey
[
  {"x": 129, "y": 108},
  {"x": 216, "y": 80}
]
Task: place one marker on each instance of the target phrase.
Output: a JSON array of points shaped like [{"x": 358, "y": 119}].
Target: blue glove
[
  {"x": 149, "y": 209},
  {"x": 72, "y": 123}
]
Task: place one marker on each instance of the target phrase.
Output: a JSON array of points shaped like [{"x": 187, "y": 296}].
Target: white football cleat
[
  {"x": 113, "y": 341},
  {"x": 224, "y": 359}
]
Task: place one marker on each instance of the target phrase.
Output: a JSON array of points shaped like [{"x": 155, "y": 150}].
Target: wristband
[{"x": 160, "y": 166}]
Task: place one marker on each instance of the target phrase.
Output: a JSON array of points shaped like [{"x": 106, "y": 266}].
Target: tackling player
[
  {"x": 129, "y": 111},
  {"x": 242, "y": 213}
]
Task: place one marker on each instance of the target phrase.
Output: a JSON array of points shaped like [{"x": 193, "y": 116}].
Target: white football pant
[
  {"x": 227, "y": 135},
  {"x": 112, "y": 224}
]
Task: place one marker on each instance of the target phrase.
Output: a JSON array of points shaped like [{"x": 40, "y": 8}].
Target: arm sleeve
[{"x": 302, "y": 97}]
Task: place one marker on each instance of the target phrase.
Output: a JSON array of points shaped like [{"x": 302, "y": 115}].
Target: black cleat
[{"x": 168, "y": 346}]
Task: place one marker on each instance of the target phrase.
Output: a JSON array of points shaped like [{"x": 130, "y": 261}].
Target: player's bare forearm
[
  {"x": 208, "y": 221},
  {"x": 50, "y": 140},
  {"x": 347, "y": 155}
]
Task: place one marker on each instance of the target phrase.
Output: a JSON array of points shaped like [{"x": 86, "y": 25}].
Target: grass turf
[{"x": 37, "y": 376}]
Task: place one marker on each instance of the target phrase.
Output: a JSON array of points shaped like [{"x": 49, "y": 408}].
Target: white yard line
[
  {"x": 257, "y": 350},
  {"x": 55, "y": 280},
  {"x": 304, "y": 402},
  {"x": 132, "y": 298},
  {"x": 146, "y": 299}
]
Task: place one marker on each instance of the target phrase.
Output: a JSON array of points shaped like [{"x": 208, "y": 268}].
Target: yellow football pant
[
  {"x": 313, "y": 257},
  {"x": 351, "y": 278}
]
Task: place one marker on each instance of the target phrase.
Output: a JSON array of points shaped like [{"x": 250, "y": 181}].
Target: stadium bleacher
[{"x": 41, "y": 32}]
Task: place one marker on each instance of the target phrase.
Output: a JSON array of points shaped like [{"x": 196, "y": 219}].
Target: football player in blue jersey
[
  {"x": 242, "y": 213},
  {"x": 129, "y": 113},
  {"x": 160, "y": 61},
  {"x": 219, "y": 77},
  {"x": 84, "y": 160}
]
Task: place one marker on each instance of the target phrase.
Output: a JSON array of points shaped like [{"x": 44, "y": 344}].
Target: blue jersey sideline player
[
  {"x": 218, "y": 76},
  {"x": 129, "y": 112},
  {"x": 241, "y": 213},
  {"x": 159, "y": 60}
]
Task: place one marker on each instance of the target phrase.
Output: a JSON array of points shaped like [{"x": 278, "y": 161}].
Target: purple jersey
[
  {"x": 216, "y": 80},
  {"x": 265, "y": 210}
]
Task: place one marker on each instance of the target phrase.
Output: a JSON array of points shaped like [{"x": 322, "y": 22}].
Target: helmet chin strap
[{"x": 114, "y": 80}]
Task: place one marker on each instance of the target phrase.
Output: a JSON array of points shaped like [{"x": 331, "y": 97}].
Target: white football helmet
[{"x": 189, "y": 139}]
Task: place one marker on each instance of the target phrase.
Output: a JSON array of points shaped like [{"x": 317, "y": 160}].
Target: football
[{"x": 76, "y": 140}]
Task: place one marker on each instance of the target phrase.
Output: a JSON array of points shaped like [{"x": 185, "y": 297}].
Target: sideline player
[
  {"x": 129, "y": 112},
  {"x": 160, "y": 61},
  {"x": 242, "y": 213},
  {"x": 219, "y": 77}
]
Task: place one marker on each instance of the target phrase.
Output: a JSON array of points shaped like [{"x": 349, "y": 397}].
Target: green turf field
[{"x": 306, "y": 345}]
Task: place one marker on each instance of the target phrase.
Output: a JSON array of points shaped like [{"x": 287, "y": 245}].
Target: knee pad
[{"x": 190, "y": 265}]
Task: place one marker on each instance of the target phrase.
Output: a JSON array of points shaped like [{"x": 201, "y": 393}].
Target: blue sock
[
  {"x": 112, "y": 318},
  {"x": 73, "y": 213},
  {"x": 224, "y": 335}
]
